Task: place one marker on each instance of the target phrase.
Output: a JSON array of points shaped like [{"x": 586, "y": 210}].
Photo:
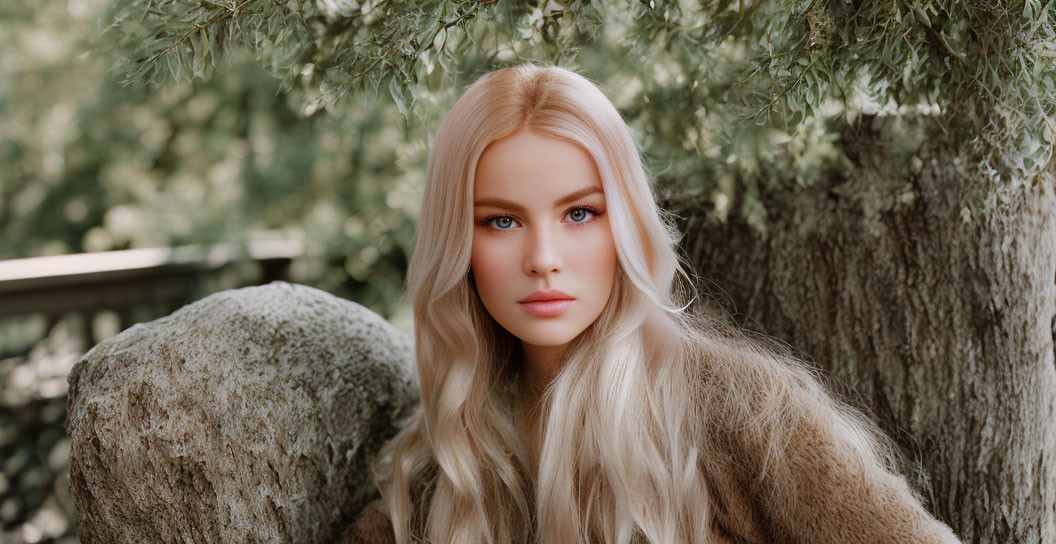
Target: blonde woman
[{"x": 567, "y": 393}]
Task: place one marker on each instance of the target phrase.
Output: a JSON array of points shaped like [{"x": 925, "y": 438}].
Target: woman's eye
[
  {"x": 581, "y": 215},
  {"x": 576, "y": 216},
  {"x": 503, "y": 222}
]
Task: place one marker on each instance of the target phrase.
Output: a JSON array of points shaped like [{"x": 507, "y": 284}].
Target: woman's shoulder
[
  {"x": 731, "y": 370},
  {"x": 796, "y": 452}
]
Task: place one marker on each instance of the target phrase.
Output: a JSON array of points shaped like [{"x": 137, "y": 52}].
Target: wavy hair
[{"x": 625, "y": 424}]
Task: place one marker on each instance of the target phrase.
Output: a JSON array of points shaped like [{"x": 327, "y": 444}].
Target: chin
[
  {"x": 546, "y": 339},
  {"x": 548, "y": 342}
]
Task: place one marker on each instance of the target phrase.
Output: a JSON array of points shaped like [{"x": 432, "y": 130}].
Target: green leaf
[
  {"x": 172, "y": 58},
  {"x": 922, "y": 15},
  {"x": 397, "y": 92}
]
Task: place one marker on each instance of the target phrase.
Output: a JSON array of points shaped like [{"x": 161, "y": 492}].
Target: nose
[{"x": 543, "y": 257}]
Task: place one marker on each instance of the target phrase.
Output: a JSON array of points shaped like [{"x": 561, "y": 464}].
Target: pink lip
[
  {"x": 551, "y": 294},
  {"x": 547, "y": 308}
]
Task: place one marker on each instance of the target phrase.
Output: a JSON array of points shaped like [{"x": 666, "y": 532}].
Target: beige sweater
[
  {"x": 815, "y": 493},
  {"x": 831, "y": 505}
]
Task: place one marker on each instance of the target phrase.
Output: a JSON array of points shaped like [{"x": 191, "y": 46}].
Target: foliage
[
  {"x": 984, "y": 69},
  {"x": 98, "y": 166},
  {"x": 333, "y": 47}
]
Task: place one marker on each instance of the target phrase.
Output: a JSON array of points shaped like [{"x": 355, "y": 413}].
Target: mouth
[{"x": 547, "y": 308}]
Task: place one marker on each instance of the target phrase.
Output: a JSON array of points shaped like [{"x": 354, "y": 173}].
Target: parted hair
[{"x": 637, "y": 413}]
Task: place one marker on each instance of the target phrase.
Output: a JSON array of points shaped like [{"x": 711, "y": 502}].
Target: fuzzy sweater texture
[
  {"x": 847, "y": 510},
  {"x": 819, "y": 492}
]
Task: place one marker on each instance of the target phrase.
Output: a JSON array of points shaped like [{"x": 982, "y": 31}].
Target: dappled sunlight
[
  {"x": 41, "y": 374},
  {"x": 35, "y": 504}
]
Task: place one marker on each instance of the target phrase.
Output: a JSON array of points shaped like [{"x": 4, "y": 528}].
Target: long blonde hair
[{"x": 624, "y": 445}]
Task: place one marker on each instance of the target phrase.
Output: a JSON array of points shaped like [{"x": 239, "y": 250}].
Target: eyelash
[{"x": 487, "y": 221}]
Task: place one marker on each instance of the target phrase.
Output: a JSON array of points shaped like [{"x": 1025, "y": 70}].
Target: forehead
[{"x": 529, "y": 166}]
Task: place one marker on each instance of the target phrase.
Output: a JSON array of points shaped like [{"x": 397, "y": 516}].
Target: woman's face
[{"x": 540, "y": 224}]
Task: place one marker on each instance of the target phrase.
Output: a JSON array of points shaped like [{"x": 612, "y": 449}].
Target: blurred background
[{"x": 229, "y": 171}]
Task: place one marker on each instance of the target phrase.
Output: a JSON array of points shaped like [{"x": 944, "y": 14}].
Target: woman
[{"x": 610, "y": 414}]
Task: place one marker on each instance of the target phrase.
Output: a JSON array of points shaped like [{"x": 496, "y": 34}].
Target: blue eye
[
  {"x": 582, "y": 214},
  {"x": 502, "y": 222}
]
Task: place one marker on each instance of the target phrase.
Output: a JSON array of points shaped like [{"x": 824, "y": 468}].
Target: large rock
[{"x": 249, "y": 416}]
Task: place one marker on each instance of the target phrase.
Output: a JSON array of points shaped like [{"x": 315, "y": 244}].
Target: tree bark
[{"x": 928, "y": 294}]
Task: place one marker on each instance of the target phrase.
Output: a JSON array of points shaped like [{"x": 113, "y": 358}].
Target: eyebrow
[{"x": 572, "y": 197}]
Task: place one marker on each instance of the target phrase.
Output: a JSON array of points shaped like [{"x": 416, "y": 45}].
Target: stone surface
[{"x": 249, "y": 416}]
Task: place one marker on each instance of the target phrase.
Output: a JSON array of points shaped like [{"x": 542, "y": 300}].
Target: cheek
[
  {"x": 600, "y": 258},
  {"x": 487, "y": 266}
]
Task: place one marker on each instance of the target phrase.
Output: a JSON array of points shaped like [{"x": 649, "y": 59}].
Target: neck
[{"x": 540, "y": 365}]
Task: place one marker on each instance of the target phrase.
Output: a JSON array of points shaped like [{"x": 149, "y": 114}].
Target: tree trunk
[{"x": 938, "y": 319}]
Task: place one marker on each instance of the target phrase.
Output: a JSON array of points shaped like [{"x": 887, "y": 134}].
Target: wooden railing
[{"x": 121, "y": 281}]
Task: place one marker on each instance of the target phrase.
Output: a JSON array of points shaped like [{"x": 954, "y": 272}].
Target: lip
[
  {"x": 547, "y": 308},
  {"x": 552, "y": 294},
  {"x": 548, "y": 303}
]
